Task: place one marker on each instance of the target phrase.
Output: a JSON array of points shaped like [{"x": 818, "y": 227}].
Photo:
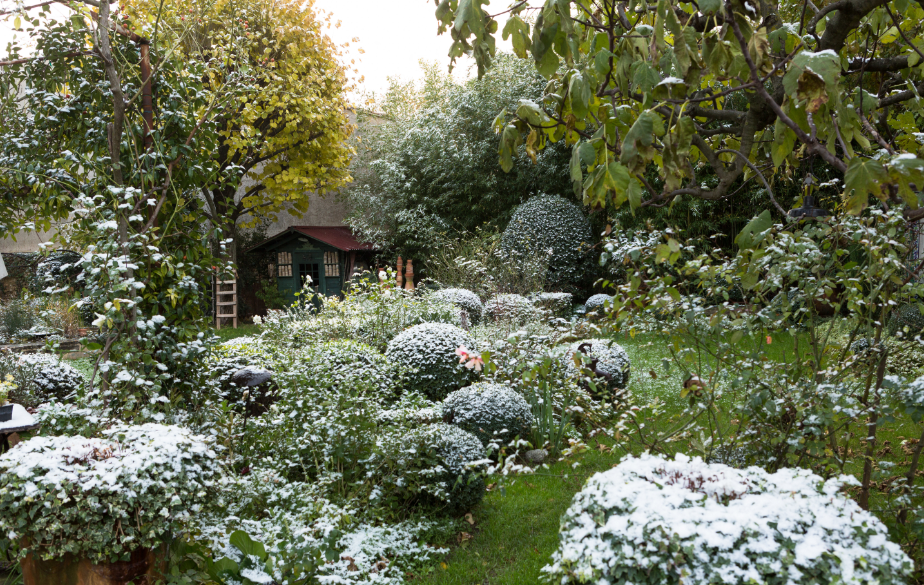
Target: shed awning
[{"x": 340, "y": 237}]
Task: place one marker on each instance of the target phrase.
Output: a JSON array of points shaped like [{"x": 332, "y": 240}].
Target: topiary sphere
[
  {"x": 50, "y": 377},
  {"x": 597, "y": 302},
  {"x": 455, "y": 448},
  {"x": 514, "y": 308},
  {"x": 558, "y": 304},
  {"x": 551, "y": 223},
  {"x": 611, "y": 360},
  {"x": 350, "y": 364},
  {"x": 428, "y": 352},
  {"x": 489, "y": 411},
  {"x": 464, "y": 299}
]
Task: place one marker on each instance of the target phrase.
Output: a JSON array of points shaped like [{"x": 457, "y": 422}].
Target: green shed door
[
  {"x": 310, "y": 264},
  {"x": 286, "y": 277},
  {"x": 333, "y": 273}
]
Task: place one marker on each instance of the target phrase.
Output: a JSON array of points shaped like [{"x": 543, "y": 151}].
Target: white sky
[{"x": 395, "y": 35}]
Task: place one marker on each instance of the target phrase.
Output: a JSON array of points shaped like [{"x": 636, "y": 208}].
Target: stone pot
[{"x": 143, "y": 568}]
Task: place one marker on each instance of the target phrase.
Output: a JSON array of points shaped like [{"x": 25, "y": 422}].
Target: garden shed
[{"x": 329, "y": 255}]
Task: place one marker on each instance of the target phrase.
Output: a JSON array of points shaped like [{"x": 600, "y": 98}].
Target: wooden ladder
[{"x": 225, "y": 296}]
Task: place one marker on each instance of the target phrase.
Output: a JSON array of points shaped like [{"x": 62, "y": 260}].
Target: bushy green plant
[
  {"x": 906, "y": 321},
  {"x": 491, "y": 412},
  {"x": 53, "y": 493},
  {"x": 429, "y": 353},
  {"x": 39, "y": 378},
  {"x": 15, "y": 318},
  {"x": 724, "y": 525},
  {"x": 597, "y": 302},
  {"x": 436, "y": 466},
  {"x": 600, "y": 358},
  {"x": 558, "y": 304},
  {"x": 351, "y": 364},
  {"x": 464, "y": 299},
  {"x": 510, "y": 308},
  {"x": 552, "y": 224}
]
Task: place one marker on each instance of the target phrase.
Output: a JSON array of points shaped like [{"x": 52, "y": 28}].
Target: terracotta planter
[{"x": 143, "y": 568}]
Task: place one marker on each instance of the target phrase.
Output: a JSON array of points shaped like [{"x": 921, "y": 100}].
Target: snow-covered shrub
[
  {"x": 434, "y": 465},
  {"x": 597, "y": 302},
  {"x": 68, "y": 494},
  {"x": 228, "y": 358},
  {"x": 428, "y": 352},
  {"x": 603, "y": 357},
  {"x": 510, "y": 307},
  {"x": 558, "y": 304},
  {"x": 464, "y": 299},
  {"x": 906, "y": 321},
  {"x": 350, "y": 363},
  {"x": 489, "y": 411},
  {"x": 57, "y": 272},
  {"x": 370, "y": 312},
  {"x": 39, "y": 377},
  {"x": 550, "y": 223},
  {"x": 657, "y": 521}
]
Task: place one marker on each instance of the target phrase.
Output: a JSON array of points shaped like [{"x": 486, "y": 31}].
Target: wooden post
[
  {"x": 409, "y": 282},
  {"x": 400, "y": 277}
]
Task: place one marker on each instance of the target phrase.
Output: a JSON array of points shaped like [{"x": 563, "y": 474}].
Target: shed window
[
  {"x": 331, "y": 264},
  {"x": 284, "y": 260}
]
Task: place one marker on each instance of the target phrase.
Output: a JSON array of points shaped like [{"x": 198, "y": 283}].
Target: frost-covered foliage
[
  {"x": 597, "y": 302},
  {"x": 229, "y": 357},
  {"x": 558, "y": 304},
  {"x": 906, "y": 321},
  {"x": 511, "y": 308},
  {"x": 370, "y": 312},
  {"x": 464, "y": 299},
  {"x": 103, "y": 497},
  {"x": 57, "y": 272},
  {"x": 604, "y": 358},
  {"x": 39, "y": 377},
  {"x": 657, "y": 521},
  {"x": 434, "y": 465},
  {"x": 70, "y": 420},
  {"x": 352, "y": 364},
  {"x": 490, "y": 412},
  {"x": 428, "y": 352},
  {"x": 552, "y": 223}
]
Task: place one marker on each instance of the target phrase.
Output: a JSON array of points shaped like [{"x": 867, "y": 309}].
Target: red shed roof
[{"x": 340, "y": 237}]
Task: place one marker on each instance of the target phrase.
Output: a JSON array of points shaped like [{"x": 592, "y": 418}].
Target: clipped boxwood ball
[
  {"x": 430, "y": 465},
  {"x": 655, "y": 521},
  {"x": 597, "y": 302},
  {"x": 515, "y": 308},
  {"x": 51, "y": 377},
  {"x": 489, "y": 411},
  {"x": 428, "y": 352},
  {"x": 350, "y": 365},
  {"x": 551, "y": 222},
  {"x": 608, "y": 360},
  {"x": 558, "y": 304},
  {"x": 464, "y": 299},
  {"x": 906, "y": 321}
]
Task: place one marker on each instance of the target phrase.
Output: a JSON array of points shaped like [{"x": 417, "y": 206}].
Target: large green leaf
[
  {"x": 247, "y": 545},
  {"x": 579, "y": 95},
  {"x": 864, "y": 177},
  {"x": 755, "y": 231},
  {"x": 518, "y": 31}
]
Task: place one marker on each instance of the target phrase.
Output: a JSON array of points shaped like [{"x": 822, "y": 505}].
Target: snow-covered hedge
[
  {"x": 464, "y": 299},
  {"x": 611, "y": 358},
  {"x": 657, "y": 521},
  {"x": 434, "y": 465},
  {"x": 552, "y": 224},
  {"x": 557, "y": 304},
  {"x": 906, "y": 321},
  {"x": 228, "y": 358},
  {"x": 350, "y": 364},
  {"x": 597, "y": 302},
  {"x": 101, "y": 498},
  {"x": 40, "y": 377},
  {"x": 510, "y": 307},
  {"x": 428, "y": 352},
  {"x": 489, "y": 411}
]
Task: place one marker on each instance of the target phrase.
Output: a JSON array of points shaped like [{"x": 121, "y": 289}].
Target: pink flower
[{"x": 469, "y": 360}]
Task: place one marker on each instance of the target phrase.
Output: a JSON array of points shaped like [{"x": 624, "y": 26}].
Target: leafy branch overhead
[{"x": 708, "y": 94}]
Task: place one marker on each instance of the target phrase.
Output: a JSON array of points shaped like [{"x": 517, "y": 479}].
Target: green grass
[
  {"x": 516, "y": 531},
  {"x": 228, "y": 333}
]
